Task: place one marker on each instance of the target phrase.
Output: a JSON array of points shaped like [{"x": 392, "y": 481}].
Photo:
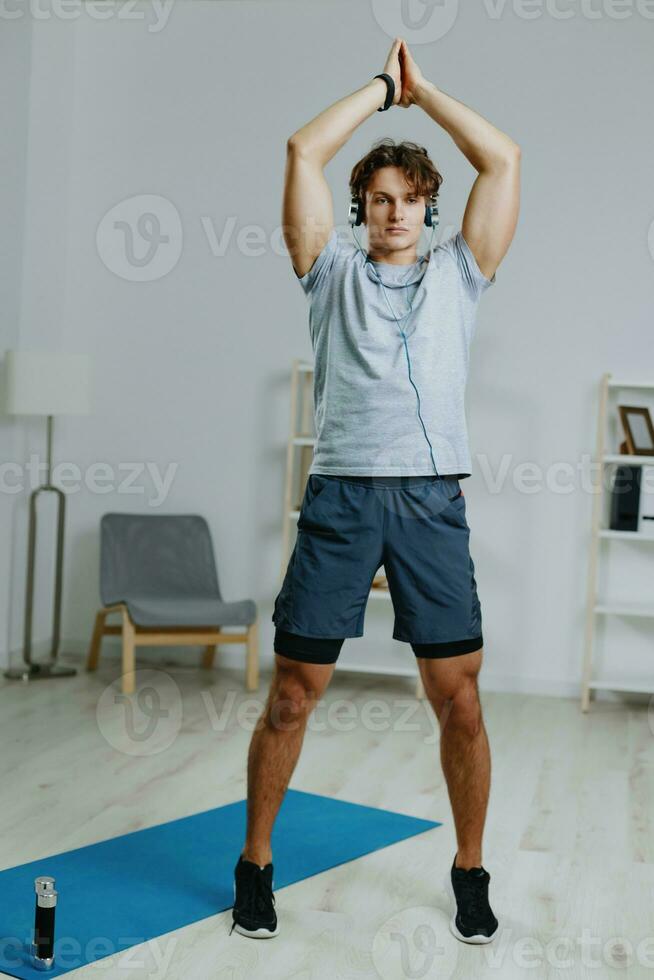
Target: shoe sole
[
  {"x": 478, "y": 939},
  {"x": 262, "y": 933},
  {"x": 259, "y": 934}
]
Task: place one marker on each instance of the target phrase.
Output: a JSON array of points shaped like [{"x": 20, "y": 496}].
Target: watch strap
[{"x": 390, "y": 91}]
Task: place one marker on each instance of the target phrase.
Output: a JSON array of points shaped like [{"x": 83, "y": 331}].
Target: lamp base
[{"x": 35, "y": 672}]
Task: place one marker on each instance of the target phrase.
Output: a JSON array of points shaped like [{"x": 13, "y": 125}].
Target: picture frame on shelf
[{"x": 638, "y": 429}]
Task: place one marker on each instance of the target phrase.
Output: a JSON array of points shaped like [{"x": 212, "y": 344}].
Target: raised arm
[
  {"x": 491, "y": 214},
  {"x": 307, "y": 210}
]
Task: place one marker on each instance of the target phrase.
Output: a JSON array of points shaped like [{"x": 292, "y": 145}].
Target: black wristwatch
[{"x": 390, "y": 91}]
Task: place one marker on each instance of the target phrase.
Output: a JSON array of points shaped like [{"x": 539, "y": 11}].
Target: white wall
[
  {"x": 192, "y": 368},
  {"x": 15, "y": 53}
]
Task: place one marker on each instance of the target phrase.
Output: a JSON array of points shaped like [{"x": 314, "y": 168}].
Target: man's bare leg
[
  {"x": 275, "y": 747},
  {"x": 451, "y": 686}
]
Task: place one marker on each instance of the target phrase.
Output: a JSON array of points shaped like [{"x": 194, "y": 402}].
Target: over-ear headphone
[{"x": 355, "y": 216}]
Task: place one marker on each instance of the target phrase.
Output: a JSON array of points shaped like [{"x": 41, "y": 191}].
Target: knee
[
  {"x": 291, "y": 699},
  {"x": 461, "y": 712},
  {"x": 467, "y": 719}
]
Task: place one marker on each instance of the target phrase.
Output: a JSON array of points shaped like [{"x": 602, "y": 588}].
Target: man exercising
[{"x": 391, "y": 335}]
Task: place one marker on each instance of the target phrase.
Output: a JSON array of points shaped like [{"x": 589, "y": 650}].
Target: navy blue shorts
[{"x": 415, "y": 526}]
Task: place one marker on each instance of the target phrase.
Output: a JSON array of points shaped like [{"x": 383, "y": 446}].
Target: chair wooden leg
[
  {"x": 209, "y": 654},
  {"x": 128, "y": 653},
  {"x": 96, "y": 640},
  {"x": 252, "y": 658}
]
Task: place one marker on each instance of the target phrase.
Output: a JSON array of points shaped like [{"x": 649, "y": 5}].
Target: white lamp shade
[{"x": 47, "y": 383}]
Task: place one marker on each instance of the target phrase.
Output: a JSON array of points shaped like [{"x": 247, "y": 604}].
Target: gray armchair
[{"x": 158, "y": 571}]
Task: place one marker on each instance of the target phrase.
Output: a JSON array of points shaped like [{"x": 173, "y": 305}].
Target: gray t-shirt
[{"x": 365, "y": 405}]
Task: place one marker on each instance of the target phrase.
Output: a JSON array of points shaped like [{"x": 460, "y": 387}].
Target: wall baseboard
[
  {"x": 495, "y": 682},
  {"x": 185, "y": 656}
]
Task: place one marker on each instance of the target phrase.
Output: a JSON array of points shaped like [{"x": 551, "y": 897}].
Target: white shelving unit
[
  {"x": 600, "y": 533},
  {"x": 300, "y": 444}
]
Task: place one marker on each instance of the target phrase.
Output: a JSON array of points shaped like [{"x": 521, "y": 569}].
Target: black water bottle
[{"x": 44, "y": 922}]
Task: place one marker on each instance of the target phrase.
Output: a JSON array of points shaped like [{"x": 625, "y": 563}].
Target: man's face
[{"x": 391, "y": 201}]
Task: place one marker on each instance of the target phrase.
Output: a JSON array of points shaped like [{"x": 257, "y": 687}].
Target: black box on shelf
[{"x": 625, "y": 498}]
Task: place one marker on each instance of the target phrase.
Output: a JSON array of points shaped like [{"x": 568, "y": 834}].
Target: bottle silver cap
[{"x": 44, "y": 883}]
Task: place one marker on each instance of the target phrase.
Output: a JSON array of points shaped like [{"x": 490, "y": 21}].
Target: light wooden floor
[{"x": 569, "y": 838}]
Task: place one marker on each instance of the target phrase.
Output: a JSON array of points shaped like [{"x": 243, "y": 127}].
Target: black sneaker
[
  {"x": 473, "y": 921},
  {"x": 253, "y": 913}
]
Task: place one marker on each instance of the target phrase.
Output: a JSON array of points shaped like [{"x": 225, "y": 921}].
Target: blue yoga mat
[{"x": 125, "y": 891}]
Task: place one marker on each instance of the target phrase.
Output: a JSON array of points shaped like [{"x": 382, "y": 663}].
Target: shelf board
[
  {"x": 627, "y": 459},
  {"x": 640, "y": 687},
  {"x": 625, "y": 609},
  {"x": 606, "y": 532},
  {"x": 631, "y": 384}
]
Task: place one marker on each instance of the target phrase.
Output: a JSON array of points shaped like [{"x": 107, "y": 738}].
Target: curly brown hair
[{"x": 413, "y": 159}]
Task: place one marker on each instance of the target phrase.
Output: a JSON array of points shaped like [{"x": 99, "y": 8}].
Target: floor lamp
[{"x": 49, "y": 384}]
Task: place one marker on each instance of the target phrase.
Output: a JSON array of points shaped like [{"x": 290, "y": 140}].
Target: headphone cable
[{"x": 406, "y": 349}]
